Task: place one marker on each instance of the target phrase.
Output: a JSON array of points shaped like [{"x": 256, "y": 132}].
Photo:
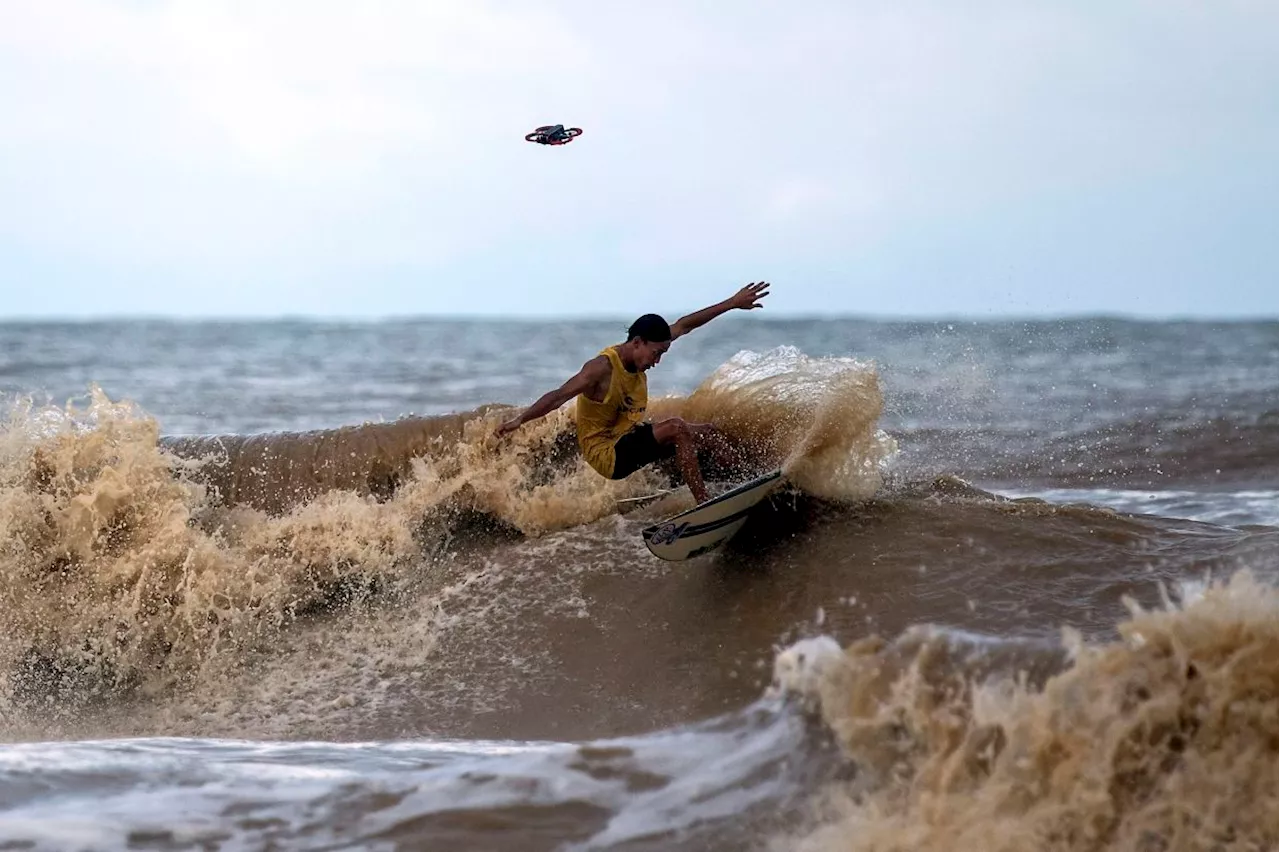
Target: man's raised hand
[{"x": 748, "y": 298}]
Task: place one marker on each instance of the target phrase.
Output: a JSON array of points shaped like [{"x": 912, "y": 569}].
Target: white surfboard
[{"x": 709, "y": 525}]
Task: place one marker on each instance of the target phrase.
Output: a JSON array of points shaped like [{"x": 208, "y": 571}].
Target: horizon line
[{"x": 370, "y": 319}]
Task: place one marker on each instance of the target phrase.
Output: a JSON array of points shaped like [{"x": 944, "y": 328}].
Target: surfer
[{"x": 613, "y": 392}]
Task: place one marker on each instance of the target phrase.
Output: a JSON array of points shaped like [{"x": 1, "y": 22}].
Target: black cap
[{"x": 651, "y": 328}]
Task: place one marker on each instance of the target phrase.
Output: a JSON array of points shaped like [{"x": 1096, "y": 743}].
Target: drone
[{"x": 553, "y": 134}]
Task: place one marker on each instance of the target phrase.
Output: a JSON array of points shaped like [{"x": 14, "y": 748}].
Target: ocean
[{"x": 276, "y": 585}]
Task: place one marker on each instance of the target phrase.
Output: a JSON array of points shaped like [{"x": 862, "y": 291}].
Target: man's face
[{"x": 649, "y": 354}]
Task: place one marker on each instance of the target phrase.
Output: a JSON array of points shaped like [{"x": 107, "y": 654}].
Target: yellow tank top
[{"x": 601, "y": 424}]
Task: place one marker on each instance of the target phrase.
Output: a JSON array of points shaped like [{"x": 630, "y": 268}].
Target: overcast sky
[{"x": 334, "y": 158}]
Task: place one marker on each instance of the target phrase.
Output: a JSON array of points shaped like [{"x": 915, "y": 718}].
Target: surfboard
[{"x": 708, "y": 525}]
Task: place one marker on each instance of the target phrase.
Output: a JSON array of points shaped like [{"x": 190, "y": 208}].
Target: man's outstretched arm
[
  {"x": 590, "y": 374},
  {"x": 748, "y": 298}
]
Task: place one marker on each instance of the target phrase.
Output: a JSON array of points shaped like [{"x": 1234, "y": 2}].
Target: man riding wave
[{"x": 613, "y": 392}]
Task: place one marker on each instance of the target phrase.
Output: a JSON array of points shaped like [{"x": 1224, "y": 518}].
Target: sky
[{"x": 328, "y": 158}]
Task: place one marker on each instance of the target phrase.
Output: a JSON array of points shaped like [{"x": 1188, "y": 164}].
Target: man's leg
[
  {"x": 724, "y": 454},
  {"x": 674, "y": 431}
]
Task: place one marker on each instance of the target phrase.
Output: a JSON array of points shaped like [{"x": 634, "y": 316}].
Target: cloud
[
  {"x": 792, "y": 197},
  {"x": 280, "y": 82}
]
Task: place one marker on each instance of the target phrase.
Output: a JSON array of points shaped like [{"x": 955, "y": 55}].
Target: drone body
[{"x": 553, "y": 134}]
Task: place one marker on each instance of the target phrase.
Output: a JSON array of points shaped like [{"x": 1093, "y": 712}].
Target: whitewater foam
[{"x": 1163, "y": 739}]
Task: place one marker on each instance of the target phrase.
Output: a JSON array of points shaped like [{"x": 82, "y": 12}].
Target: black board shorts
[{"x": 636, "y": 449}]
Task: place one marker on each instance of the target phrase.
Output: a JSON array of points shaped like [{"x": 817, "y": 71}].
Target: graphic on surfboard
[{"x": 706, "y": 527}]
